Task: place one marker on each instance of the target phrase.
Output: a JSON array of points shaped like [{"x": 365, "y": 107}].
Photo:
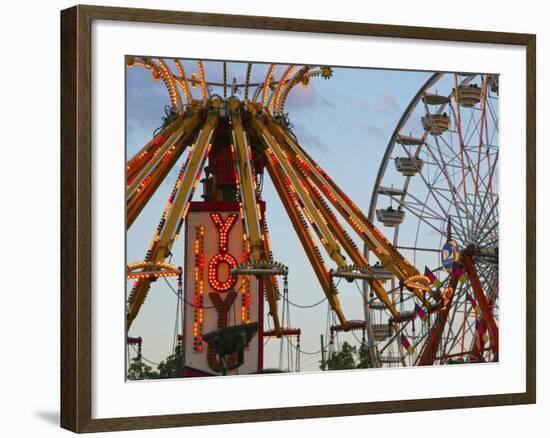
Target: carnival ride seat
[
  {"x": 492, "y": 81},
  {"x": 409, "y": 166},
  {"x": 436, "y": 124},
  {"x": 390, "y": 217},
  {"x": 468, "y": 95},
  {"x": 381, "y": 331},
  {"x": 377, "y": 305},
  {"x": 435, "y": 99},
  {"x": 357, "y": 272},
  {"x": 260, "y": 268},
  {"x": 408, "y": 140}
]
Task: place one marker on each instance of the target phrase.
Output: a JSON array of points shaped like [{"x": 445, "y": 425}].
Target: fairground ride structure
[{"x": 454, "y": 155}]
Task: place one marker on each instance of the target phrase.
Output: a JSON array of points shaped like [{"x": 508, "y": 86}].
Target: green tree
[
  {"x": 169, "y": 368},
  {"x": 140, "y": 371},
  {"x": 343, "y": 359},
  {"x": 172, "y": 367},
  {"x": 349, "y": 357},
  {"x": 365, "y": 358}
]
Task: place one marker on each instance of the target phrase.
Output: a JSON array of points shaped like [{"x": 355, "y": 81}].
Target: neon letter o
[{"x": 215, "y": 262}]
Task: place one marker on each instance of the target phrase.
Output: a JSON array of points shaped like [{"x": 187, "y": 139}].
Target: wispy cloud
[
  {"x": 306, "y": 98},
  {"x": 383, "y": 103},
  {"x": 376, "y": 131},
  {"x": 364, "y": 105},
  {"x": 387, "y": 104},
  {"x": 308, "y": 139}
]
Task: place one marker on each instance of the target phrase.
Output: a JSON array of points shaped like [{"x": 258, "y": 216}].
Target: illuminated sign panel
[{"x": 214, "y": 299}]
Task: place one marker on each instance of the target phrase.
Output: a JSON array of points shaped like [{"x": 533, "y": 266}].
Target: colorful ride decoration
[{"x": 214, "y": 298}]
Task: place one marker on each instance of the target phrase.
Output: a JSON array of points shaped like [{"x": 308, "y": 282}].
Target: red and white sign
[{"x": 214, "y": 244}]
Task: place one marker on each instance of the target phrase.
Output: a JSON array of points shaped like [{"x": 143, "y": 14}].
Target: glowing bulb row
[
  {"x": 199, "y": 289},
  {"x": 151, "y": 270},
  {"x": 245, "y": 285}
]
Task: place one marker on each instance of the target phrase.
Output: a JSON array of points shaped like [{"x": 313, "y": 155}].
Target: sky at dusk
[{"x": 344, "y": 123}]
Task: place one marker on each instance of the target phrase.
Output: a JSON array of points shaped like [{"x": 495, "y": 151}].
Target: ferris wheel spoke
[
  {"x": 458, "y": 125},
  {"x": 451, "y": 159},
  {"x": 442, "y": 192},
  {"x": 467, "y": 134},
  {"x": 469, "y": 202},
  {"x": 466, "y": 327},
  {"x": 453, "y": 192},
  {"x": 483, "y": 117},
  {"x": 476, "y": 123},
  {"x": 422, "y": 218},
  {"x": 489, "y": 243},
  {"x": 429, "y": 185},
  {"x": 490, "y": 276},
  {"x": 487, "y": 233},
  {"x": 489, "y": 219},
  {"x": 466, "y": 149},
  {"x": 488, "y": 195},
  {"x": 455, "y": 156},
  {"x": 419, "y": 206},
  {"x": 493, "y": 116},
  {"x": 471, "y": 166},
  {"x": 418, "y": 229},
  {"x": 494, "y": 134}
]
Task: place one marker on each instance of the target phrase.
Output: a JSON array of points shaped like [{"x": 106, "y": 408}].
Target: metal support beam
[
  {"x": 430, "y": 348},
  {"x": 486, "y": 311}
]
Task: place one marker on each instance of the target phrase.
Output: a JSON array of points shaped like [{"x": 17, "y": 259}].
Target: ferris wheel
[{"x": 436, "y": 198}]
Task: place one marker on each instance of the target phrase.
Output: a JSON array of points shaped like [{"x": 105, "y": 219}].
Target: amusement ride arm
[
  {"x": 383, "y": 249},
  {"x": 154, "y": 171},
  {"x": 345, "y": 240},
  {"x": 296, "y": 212},
  {"x": 176, "y": 210},
  {"x": 293, "y": 210},
  {"x": 250, "y": 209},
  {"x": 142, "y": 157}
]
